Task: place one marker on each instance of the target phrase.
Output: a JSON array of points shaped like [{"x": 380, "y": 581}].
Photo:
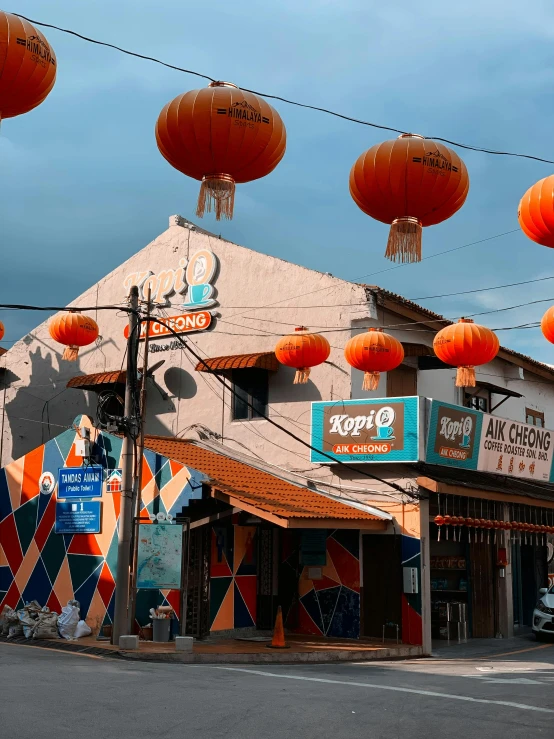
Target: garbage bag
[
  {"x": 68, "y": 620},
  {"x": 15, "y": 630},
  {"x": 28, "y": 620},
  {"x": 3, "y": 621},
  {"x": 46, "y": 626},
  {"x": 10, "y": 619},
  {"x": 82, "y": 629}
]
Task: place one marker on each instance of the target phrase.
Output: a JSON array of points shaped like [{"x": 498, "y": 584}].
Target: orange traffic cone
[{"x": 278, "y": 641}]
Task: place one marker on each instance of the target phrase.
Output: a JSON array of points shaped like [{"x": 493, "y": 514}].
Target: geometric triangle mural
[{"x": 38, "y": 564}]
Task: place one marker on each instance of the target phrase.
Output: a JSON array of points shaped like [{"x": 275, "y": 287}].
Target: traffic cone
[{"x": 278, "y": 641}]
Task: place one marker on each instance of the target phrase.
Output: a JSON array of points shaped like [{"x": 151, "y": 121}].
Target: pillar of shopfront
[
  {"x": 505, "y": 600},
  {"x": 425, "y": 575}
]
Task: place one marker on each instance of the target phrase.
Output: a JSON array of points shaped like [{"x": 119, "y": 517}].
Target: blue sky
[{"x": 83, "y": 186}]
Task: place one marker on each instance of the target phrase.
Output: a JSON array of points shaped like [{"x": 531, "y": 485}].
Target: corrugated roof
[
  {"x": 263, "y": 360},
  {"x": 256, "y": 488},
  {"x": 381, "y": 292},
  {"x": 84, "y": 382}
]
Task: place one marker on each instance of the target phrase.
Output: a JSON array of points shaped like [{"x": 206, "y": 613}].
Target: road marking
[
  {"x": 519, "y": 651},
  {"x": 393, "y": 688}
]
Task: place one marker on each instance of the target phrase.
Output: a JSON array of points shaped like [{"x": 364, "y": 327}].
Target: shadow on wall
[
  {"x": 163, "y": 412},
  {"x": 281, "y": 388},
  {"x": 38, "y": 410}
]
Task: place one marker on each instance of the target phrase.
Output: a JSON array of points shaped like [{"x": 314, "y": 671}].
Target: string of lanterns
[{"x": 224, "y": 136}]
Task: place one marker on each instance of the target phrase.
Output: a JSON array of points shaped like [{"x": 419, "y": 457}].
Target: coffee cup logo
[
  {"x": 200, "y": 272},
  {"x": 384, "y": 418}
]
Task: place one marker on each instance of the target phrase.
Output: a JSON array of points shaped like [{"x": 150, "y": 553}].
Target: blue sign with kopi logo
[{"x": 369, "y": 430}]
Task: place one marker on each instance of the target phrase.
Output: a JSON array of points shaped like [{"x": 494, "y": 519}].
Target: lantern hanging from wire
[
  {"x": 547, "y": 325},
  {"x": 302, "y": 351},
  {"x": 439, "y": 520},
  {"x": 536, "y": 212},
  {"x": 27, "y": 66},
  {"x": 75, "y": 330},
  {"x": 1, "y": 330},
  {"x": 466, "y": 345},
  {"x": 221, "y": 136},
  {"x": 410, "y": 182},
  {"x": 373, "y": 352}
]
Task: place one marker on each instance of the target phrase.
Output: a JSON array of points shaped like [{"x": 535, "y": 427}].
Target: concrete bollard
[
  {"x": 129, "y": 642},
  {"x": 183, "y": 643}
]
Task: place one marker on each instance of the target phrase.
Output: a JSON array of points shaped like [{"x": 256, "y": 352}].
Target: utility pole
[{"x": 121, "y": 619}]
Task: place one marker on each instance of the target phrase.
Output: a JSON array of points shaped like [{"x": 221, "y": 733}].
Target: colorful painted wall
[
  {"x": 412, "y": 624},
  {"x": 38, "y": 564},
  {"x": 233, "y": 578},
  {"x": 330, "y": 605}
]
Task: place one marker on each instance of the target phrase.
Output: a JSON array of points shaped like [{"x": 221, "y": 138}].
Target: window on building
[
  {"x": 250, "y": 395},
  {"x": 535, "y": 418},
  {"x": 479, "y": 402}
]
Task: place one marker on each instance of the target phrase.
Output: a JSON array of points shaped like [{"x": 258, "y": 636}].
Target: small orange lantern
[
  {"x": 74, "y": 330},
  {"x": 536, "y": 212},
  {"x": 372, "y": 353},
  {"x": 547, "y": 325},
  {"x": 302, "y": 350},
  {"x": 465, "y": 345}
]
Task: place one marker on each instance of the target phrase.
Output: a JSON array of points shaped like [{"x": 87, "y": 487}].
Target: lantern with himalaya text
[
  {"x": 302, "y": 350},
  {"x": 373, "y": 352},
  {"x": 536, "y": 212},
  {"x": 74, "y": 330},
  {"x": 465, "y": 345},
  {"x": 221, "y": 136},
  {"x": 409, "y": 182},
  {"x": 27, "y": 66}
]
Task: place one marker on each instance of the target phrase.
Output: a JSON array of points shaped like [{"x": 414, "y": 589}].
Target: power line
[
  {"x": 482, "y": 289},
  {"x": 222, "y": 382},
  {"x": 317, "y": 108}
]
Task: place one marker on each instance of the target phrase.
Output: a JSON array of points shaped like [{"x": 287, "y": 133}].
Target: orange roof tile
[
  {"x": 258, "y": 489},
  {"x": 263, "y": 360},
  {"x": 100, "y": 378}
]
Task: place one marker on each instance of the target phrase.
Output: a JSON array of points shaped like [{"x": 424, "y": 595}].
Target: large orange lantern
[
  {"x": 221, "y": 136},
  {"x": 74, "y": 330},
  {"x": 27, "y": 66},
  {"x": 1, "y": 330},
  {"x": 302, "y": 350},
  {"x": 536, "y": 212},
  {"x": 372, "y": 353},
  {"x": 409, "y": 182},
  {"x": 466, "y": 345},
  {"x": 547, "y": 325}
]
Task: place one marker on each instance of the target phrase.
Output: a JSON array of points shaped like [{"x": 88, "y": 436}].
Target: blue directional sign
[
  {"x": 80, "y": 482},
  {"x": 80, "y": 517}
]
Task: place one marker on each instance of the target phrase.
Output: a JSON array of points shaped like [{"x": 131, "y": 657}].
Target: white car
[{"x": 543, "y": 615}]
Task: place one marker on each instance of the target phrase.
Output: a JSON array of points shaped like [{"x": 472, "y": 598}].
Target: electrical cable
[
  {"x": 327, "y": 111},
  {"x": 222, "y": 382}
]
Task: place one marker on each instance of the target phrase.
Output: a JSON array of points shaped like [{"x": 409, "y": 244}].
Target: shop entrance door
[
  {"x": 382, "y": 584},
  {"x": 482, "y": 581}
]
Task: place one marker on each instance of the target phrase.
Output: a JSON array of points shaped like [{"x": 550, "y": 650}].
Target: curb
[{"x": 321, "y": 657}]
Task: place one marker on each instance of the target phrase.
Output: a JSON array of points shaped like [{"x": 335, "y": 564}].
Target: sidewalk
[{"x": 302, "y": 649}]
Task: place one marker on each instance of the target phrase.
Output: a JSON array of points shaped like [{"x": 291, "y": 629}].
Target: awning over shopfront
[
  {"x": 261, "y": 360},
  {"x": 268, "y": 496},
  {"x": 97, "y": 380},
  {"x": 444, "y": 480}
]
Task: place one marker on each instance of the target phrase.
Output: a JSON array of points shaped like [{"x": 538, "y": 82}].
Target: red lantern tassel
[
  {"x": 465, "y": 377},
  {"x": 404, "y": 244},
  {"x": 217, "y": 193},
  {"x": 71, "y": 353},
  {"x": 371, "y": 380},
  {"x": 302, "y": 375}
]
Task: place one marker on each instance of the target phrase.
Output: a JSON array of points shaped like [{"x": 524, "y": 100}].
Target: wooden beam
[
  {"x": 442, "y": 487},
  {"x": 337, "y": 523}
]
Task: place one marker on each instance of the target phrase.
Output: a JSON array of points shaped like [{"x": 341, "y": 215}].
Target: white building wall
[{"x": 37, "y": 403}]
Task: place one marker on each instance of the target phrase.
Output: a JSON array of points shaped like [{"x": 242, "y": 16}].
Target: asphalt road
[{"x": 497, "y": 690}]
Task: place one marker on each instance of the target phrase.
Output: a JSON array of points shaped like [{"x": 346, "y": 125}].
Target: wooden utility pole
[{"x": 128, "y": 481}]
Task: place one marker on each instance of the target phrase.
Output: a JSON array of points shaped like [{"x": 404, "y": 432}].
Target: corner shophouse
[{"x": 347, "y": 581}]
